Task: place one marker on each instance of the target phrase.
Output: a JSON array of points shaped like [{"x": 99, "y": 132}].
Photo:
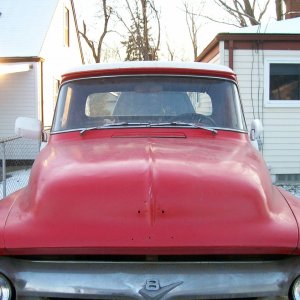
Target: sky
[{"x": 174, "y": 30}]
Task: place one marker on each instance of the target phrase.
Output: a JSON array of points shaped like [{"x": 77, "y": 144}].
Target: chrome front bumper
[{"x": 150, "y": 280}]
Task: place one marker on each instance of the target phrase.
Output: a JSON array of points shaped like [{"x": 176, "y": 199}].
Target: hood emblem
[{"x": 153, "y": 291}]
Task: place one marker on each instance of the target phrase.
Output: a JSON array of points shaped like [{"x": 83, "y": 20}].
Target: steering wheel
[{"x": 194, "y": 118}]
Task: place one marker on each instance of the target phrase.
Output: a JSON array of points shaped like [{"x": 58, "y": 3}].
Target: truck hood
[{"x": 168, "y": 194}]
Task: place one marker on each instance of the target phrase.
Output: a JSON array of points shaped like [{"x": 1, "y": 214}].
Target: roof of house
[
  {"x": 282, "y": 32},
  {"x": 289, "y": 26},
  {"x": 24, "y": 25}
]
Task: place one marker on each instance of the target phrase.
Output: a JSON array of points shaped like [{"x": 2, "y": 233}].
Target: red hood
[{"x": 187, "y": 192}]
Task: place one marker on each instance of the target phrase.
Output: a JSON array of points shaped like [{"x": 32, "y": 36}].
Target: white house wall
[
  {"x": 281, "y": 139},
  {"x": 57, "y": 57},
  {"x": 17, "y": 98},
  {"x": 216, "y": 59}
]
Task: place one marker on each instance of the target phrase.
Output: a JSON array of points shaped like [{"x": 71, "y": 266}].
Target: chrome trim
[
  {"x": 5, "y": 289},
  {"x": 149, "y": 75},
  {"x": 134, "y": 280}
]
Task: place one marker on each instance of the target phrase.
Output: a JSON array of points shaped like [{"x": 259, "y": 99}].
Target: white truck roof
[{"x": 150, "y": 64}]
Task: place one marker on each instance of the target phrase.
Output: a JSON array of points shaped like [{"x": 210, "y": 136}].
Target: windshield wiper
[
  {"x": 147, "y": 124},
  {"x": 183, "y": 124},
  {"x": 118, "y": 124},
  {"x": 88, "y": 129}
]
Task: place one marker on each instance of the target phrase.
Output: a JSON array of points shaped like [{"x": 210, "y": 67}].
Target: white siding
[
  {"x": 17, "y": 98},
  {"x": 281, "y": 140},
  {"x": 57, "y": 57},
  {"x": 216, "y": 59},
  {"x": 20, "y": 93},
  {"x": 48, "y": 44}
]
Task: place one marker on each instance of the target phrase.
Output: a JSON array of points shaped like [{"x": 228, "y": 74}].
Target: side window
[
  {"x": 202, "y": 103},
  {"x": 56, "y": 84},
  {"x": 282, "y": 83},
  {"x": 100, "y": 104}
]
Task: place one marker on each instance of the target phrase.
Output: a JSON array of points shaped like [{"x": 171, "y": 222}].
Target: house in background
[
  {"x": 266, "y": 59},
  {"x": 38, "y": 40}
]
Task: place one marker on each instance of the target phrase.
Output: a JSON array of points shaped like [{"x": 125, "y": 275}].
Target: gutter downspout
[
  {"x": 231, "y": 54},
  {"x": 222, "y": 52}
]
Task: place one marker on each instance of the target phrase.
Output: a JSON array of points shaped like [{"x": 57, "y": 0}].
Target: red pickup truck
[{"x": 149, "y": 188}]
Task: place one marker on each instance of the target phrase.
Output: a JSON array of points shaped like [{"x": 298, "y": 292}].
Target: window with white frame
[{"x": 282, "y": 83}]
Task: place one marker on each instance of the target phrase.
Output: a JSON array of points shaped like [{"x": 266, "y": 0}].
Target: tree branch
[
  {"x": 97, "y": 50},
  {"x": 88, "y": 41},
  {"x": 157, "y": 16},
  {"x": 107, "y": 14},
  {"x": 263, "y": 11},
  {"x": 246, "y": 11}
]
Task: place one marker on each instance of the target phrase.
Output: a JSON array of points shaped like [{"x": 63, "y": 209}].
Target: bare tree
[
  {"x": 192, "y": 21},
  {"x": 140, "y": 44},
  {"x": 279, "y": 9},
  {"x": 246, "y": 12},
  {"x": 171, "y": 52},
  {"x": 96, "y": 47},
  {"x": 111, "y": 54}
]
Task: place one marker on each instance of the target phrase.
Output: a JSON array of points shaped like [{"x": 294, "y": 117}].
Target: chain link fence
[{"x": 16, "y": 158}]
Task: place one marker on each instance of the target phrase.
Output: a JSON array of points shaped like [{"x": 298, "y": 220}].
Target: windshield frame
[{"x": 238, "y": 103}]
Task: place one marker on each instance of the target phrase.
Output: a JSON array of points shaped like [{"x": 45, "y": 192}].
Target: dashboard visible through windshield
[{"x": 148, "y": 100}]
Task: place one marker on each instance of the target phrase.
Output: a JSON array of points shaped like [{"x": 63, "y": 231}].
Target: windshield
[{"x": 142, "y": 100}]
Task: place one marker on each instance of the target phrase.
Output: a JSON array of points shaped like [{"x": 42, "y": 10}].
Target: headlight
[{"x": 5, "y": 289}]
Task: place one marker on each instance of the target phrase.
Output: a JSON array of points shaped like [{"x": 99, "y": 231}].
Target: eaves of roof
[
  {"x": 213, "y": 46},
  {"x": 21, "y": 59}
]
